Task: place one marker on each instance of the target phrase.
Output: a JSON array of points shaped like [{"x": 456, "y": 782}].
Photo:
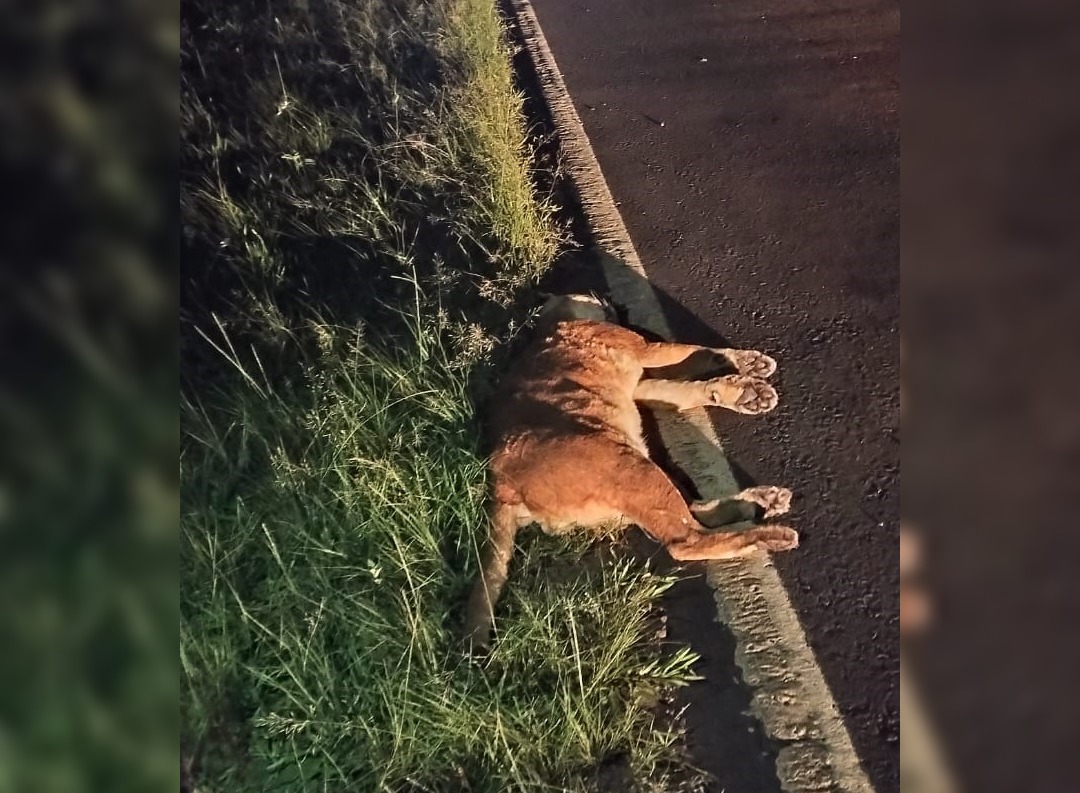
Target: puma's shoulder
[
  {"x": 577, "y": 381},
  {"x": 584, "y": 333},
  {"x": 593, "y": 354}
]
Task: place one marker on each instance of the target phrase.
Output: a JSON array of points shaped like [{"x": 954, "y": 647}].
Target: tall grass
[
  {"x": 359, "y": 230},
  {"x": 490, "y": 138},
  {"x": 329, "y": 536}
]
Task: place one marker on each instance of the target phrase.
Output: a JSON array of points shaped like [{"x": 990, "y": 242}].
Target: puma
[{"x": 568, "y": 450}]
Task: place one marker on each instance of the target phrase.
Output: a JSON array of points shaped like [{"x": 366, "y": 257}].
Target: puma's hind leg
[
  {"x": 494, "y": 568},
  {"x": 648, "y": 498},
  {"x": 748, "y": 395},
  {"x": 703, "y": 546}
]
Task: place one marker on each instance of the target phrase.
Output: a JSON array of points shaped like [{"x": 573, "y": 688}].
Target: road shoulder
[{"x": 788, "y": 691}]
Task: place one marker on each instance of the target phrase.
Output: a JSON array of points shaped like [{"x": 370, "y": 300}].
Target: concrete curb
[{"x": 789, "y": 692}]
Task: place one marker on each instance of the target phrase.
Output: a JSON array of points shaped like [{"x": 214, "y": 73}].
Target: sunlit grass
[{"x": 359, "y": 223}]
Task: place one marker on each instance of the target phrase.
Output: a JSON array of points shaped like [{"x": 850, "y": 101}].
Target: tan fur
[{"x": 568, "y": 449}]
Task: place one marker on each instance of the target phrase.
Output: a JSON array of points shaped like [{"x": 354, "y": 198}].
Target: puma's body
[{"x": 568, "y": 451}]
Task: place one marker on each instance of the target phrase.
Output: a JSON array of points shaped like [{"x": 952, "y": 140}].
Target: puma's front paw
[
  {"x": 749, "y": 395},
  {"x": 750, "y": 362}
]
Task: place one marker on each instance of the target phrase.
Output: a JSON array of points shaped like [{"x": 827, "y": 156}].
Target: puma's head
[{"x": 564, "y": 308}]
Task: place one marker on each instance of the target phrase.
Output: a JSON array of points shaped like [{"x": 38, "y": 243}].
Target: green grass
[
  {"x": 360, "y": 236},
  {"x": 329, "y": 538}
]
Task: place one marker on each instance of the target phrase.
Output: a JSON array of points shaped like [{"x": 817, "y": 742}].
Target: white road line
[{"x": 790, "y": 693}]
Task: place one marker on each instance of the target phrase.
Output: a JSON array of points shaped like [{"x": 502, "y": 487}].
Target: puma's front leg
[
  {"x": 751, "y": 363},
  {"x": 658, "y": 354},
  {"x": 742, "y": 394}
]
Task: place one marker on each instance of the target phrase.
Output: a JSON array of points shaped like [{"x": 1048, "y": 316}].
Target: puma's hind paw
[
  {"x": 749, "y": 395},
  {"x": 774, "y": 500},
  {"x": 750, "y": 362},
  {"x": 774, "y": 538}
]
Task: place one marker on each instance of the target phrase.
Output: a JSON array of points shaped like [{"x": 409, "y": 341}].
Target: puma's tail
[{"x": 480, "y": 612}]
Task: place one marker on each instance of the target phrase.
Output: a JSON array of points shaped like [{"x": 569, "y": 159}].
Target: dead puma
[{"x": 568, "y": 449}]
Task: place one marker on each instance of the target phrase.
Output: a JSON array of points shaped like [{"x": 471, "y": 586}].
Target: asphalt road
[{"x": 754, "y": 149}]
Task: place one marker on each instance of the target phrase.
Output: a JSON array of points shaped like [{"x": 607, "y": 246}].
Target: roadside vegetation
[{"x": 360, "y": 236}]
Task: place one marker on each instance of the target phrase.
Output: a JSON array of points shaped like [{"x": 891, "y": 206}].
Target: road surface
[{"x": 753, "y": 147}]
